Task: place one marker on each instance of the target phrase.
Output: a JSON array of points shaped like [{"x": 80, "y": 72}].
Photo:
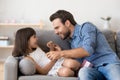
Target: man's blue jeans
[{"x": 105, "y": 72}]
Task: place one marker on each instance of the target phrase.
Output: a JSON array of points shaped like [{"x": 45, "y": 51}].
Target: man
[{"x": 87, "y": 43}]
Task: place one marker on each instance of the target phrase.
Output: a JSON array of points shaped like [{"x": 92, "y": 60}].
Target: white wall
[
  {"x": 83, "y": 10},
  {"x": 34, "y": 11}
]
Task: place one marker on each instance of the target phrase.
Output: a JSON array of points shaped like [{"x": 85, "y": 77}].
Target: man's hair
[{"x": 63, "y": 16}]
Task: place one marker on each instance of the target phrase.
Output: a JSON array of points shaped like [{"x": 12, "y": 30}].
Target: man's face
[{"x": 61, "y": 29}]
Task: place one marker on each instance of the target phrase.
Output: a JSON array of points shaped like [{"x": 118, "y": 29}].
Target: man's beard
[{"x": 66, "y": 35}]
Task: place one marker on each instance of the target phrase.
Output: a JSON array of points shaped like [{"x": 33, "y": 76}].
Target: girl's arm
[{"x": 43, "y": 70}]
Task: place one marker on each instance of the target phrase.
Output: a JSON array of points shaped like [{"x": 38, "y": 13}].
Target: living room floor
[{"x": 1, "y": 71}]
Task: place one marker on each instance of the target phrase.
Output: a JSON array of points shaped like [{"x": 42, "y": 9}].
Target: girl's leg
[
  {"x": 72, "y": 64},
  {"x": 65, "y": 72}
]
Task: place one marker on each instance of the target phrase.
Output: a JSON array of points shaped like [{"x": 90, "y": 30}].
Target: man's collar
[{"x": 76, "y": 31}]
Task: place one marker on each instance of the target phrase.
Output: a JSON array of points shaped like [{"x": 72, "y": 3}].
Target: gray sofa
[{"x": 11, "y": 64}]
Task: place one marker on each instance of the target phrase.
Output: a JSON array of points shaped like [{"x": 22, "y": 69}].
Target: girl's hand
[
  {"x": 53, "y": 46},
  {"x": 57, "y": 48},
  {"x": 54, "y": 61}
]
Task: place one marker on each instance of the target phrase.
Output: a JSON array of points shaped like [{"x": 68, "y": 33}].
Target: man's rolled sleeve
[{"x": 89, "y": 37}]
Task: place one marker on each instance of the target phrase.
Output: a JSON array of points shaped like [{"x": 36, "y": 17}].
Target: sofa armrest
[{"x": 11, "y": 69}]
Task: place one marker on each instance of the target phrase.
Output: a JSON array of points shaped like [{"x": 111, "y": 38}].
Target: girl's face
[{"x": 33, "y": 42}]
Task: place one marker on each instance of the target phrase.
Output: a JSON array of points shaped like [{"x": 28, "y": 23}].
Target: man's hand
[{"x": 54, "y": 55}]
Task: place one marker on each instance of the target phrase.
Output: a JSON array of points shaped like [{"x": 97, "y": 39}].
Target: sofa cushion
[
  {"x": 118, "y": 43},
  {"x": 48, "y": 35},
  {"x": 110, "y": 36},
  {"x": 41, "y": 77},
  {"x": 27, "y": 67}
]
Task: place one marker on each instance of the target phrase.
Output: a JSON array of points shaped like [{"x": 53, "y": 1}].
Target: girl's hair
[{"x": 21, "y": 41}]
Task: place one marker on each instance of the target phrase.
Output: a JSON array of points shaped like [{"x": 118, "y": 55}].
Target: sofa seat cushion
[{"x": 41, "y": 77}]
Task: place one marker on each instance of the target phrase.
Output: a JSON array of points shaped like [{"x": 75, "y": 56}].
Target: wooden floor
[{"x": 1, "y": 71}]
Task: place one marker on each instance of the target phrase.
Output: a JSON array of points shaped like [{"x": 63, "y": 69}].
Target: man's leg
[
  {"x": 111, "y": 71},
  {"x": 87, "y": 73}
]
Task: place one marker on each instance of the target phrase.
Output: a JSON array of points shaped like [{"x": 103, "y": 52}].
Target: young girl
[{"x": 26, "y": 45}]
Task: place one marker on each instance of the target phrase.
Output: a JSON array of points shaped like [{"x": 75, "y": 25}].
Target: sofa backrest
[
  {"x": 48, "y": 35},
  {"x": 118, "y": 43},
  {"x": 110, "y": 36}
]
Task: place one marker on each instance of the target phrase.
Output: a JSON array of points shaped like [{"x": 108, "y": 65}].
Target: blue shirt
[{"x": 88, "y": 37}]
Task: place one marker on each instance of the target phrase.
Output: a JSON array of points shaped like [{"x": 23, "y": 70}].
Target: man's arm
[{"x": 74, "y": 53}]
